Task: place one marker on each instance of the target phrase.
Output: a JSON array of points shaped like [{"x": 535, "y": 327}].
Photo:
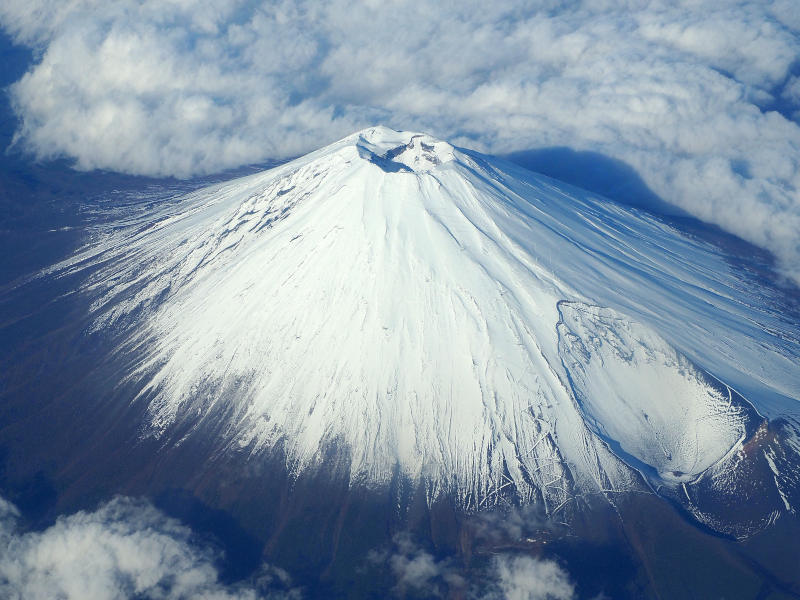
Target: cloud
[
  {"x": 526, "y": 578},
  {"x": 414, "y": 568},
  {"x": 417, "y": 570},
  {"x": 129, "y": 549},
  {"x": 700, "y": 98},
  {"x": 507, "y": 576},
  {"x": 124, "y": 549},
  {"x": 499, "y": 527}
]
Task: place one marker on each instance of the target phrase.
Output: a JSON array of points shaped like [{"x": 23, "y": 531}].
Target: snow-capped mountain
[{"x": 457, "y": 319}]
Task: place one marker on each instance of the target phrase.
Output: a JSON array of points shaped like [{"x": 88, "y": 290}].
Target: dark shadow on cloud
[
  {"x": 618, "y": 181},
  {"x": 784, "y": 98},
  {"x": 596, "y": 173}
]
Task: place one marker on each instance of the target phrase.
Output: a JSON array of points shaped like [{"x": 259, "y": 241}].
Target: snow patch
[{"x": 646, "y": 399}]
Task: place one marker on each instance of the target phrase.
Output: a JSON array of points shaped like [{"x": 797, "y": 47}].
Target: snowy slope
[
  {"x": 446, "y": 314},
  {"x": 644, "y": 397}
]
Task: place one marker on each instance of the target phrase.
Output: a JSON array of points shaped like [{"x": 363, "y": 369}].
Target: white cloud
[
  {"x": 526, "y": 578},
  {"x": 678, "y": 90},
  {"x": 508, "y": 576},
  {"x": 416, "y": 570},
  {"x": 125, "y": 549}
]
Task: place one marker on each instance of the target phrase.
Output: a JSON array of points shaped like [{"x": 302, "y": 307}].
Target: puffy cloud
[
  {"x": 701, "y": 99},
  {"x": 526, "y": 578},
  {"x": 507, "y": 577},
  {"x": 417, "y": 569},
  {"x": 129, "y": 549},
  {"x": 125, "y": 549}
]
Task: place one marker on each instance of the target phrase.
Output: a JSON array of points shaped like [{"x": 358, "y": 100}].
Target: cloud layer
[
  {"x": 129, "y": 549},
  {"x": 508, "y": 577},
  {"x": 702, "y": 99},
  {"x": 125, "y": 549}
]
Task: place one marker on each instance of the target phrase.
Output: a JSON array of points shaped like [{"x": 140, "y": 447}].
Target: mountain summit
[{"x": 406, "y": 308}]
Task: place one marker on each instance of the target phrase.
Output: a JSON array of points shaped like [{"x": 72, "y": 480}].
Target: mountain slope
[{"x": 447, "y": 315}]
